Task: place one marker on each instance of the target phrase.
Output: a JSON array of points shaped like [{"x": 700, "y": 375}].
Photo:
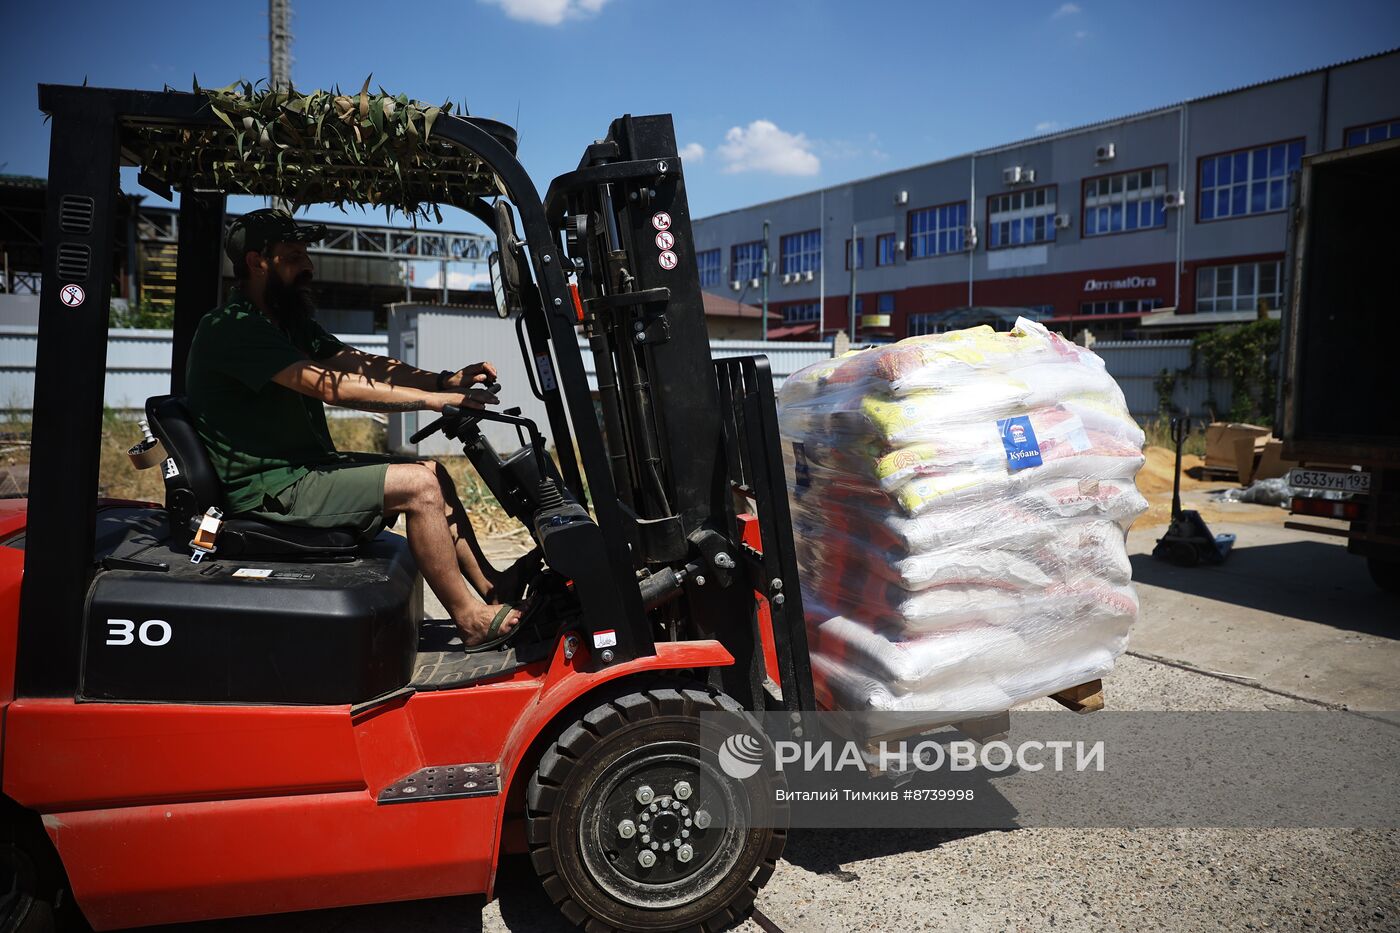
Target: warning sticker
[
  {"x": 665, "y": 239},
  {"x": 72, "y": 295},
  {"x": 605, "y": 639},
  {"x": 667, "y": 259},
  {"x": 661, "y": 220},
  {"x": 545, "y": 367}
]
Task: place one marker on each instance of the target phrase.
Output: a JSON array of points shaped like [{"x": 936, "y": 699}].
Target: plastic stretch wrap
[{"x": 960, "y": 504}]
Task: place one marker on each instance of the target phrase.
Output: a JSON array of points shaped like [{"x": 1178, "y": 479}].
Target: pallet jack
[{"x": 1188, "y": 541}]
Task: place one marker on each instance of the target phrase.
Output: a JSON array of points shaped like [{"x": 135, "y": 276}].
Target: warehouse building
[{"x": 1165, "y": 221}]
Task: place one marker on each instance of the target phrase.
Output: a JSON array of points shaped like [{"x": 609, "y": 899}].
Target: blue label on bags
[
  {"x": 1018, "y": 437},
  {"x": 802, "y": 473}
]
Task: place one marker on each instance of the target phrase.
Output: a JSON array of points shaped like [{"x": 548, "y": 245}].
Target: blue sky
[{"x": 780, "y": 97}]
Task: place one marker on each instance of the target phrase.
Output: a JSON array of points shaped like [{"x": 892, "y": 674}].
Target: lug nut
[
  {"x": 646, "y": 858},
  {"x": 645, "y": 795},
  {"x": 627, "y": 829},
  {"x": 702, "y": 819},
  {"x": 685, "y": 853},
  {"x": 682, "y": 790}
]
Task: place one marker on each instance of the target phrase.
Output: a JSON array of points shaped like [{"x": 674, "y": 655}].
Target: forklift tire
[
  {"x": 647, "y": 760},
  {"x": 1385, "y": 573},
  {"x": 34, "y": 894}
]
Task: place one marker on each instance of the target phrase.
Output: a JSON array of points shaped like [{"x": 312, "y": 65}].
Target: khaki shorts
[{"x": 347, "y": 493}]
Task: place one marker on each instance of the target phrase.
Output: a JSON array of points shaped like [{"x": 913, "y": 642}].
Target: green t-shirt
[{"x": 260, "y": 436}]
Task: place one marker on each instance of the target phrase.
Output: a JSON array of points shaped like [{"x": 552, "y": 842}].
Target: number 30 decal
[{"x": 153, "y": 632}]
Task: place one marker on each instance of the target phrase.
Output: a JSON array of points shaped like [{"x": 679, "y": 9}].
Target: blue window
[
  {"x": 1372, "y": 133},
  {"x": 925, "y": 322},
  {"x": 884, "y": 249},
  {"x": 886, "y": 304},
  {"x": 1253, "y": 181},
  {"x": 1125, "y": 202},
  {"x": 935, "y": 231},
  {"x": 1239, "y": 287},
  {"x": 1021, "y": 217},
  {"x": 746, "y": 261},
  {"x": 1121, "y": 306},
  {"x": 802, "y": 252},
  {"x": 710, "y": 271},
  {"x": 860, "y": 253},
  {"x": 807, "y": 313}
]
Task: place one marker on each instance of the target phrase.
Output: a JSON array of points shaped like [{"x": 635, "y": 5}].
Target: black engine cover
[{"x": 250, "y": 631}]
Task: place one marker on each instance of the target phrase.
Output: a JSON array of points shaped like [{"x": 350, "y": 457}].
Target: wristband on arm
[{"x": 443, "y": 376}]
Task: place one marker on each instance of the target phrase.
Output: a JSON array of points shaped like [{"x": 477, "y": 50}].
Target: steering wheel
[{"x": 453, "y": 416}]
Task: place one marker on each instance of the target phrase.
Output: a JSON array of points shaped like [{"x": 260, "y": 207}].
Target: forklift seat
[{"x": 192, "y": 486}]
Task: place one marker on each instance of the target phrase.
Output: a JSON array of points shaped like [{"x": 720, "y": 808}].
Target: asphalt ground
[{"x": 1289, "y": 622}]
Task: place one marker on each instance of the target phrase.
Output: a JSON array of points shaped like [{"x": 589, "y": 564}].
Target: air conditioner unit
[
  {"x": 754, "y": 283},
  {"x": 1011, "y": 176},
  {"x": 810, "y": 275},
  {"x": 1061, "y": 221},
  {"x": 736, "y": 285},
  {"x": 901, "y": 197},
  {"x": 969, "y": 238},
  {"x": 1028, "y": 175},
  {"x": 1104, "y": 153},
  {"x": 787, "y": 278},
  {"x": 899, "y": 247},
  {"x": 1176, "y": 198}
]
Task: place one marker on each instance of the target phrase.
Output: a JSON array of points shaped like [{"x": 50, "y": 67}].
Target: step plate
[{"x": 444, "y": 782}]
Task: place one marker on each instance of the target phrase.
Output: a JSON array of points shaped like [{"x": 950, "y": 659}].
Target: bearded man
[{"x": 260, "y": 370}]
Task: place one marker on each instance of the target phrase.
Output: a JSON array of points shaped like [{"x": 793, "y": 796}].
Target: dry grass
[
  {"x": 118, "y": 479},
  {"x": 1159, "y": 434}
]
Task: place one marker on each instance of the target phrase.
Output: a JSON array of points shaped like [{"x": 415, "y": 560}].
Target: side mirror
[{"x": 498, "y": 284}]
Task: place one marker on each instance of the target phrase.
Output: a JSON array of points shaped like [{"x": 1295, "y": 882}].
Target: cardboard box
[
  {"x": 1221, "y": 438},
  {"x": 1271, "y": 462}
]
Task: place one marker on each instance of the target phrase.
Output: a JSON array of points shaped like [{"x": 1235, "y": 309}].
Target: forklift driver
[{"x": 260, "y": 368}]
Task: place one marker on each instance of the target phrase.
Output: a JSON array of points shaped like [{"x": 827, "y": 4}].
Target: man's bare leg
[
  {"x": 413, "y": 490},
  {"x": 475, "y": 567}
]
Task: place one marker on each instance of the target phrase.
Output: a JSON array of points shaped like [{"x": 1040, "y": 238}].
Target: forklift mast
[
  {"x": 670, "y": 513},
  {"x": 691, "y": 443}
]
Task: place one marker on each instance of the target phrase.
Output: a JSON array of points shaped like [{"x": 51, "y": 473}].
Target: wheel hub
[{"x": 667, "y": 857}]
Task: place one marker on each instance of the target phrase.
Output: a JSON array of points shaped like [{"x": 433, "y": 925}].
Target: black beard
[{"x": 289, "y": 304}]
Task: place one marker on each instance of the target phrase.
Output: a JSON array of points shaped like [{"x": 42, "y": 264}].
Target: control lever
[
  {"x": 525, "y": 424},
  {"x": 437, "y": 423}
]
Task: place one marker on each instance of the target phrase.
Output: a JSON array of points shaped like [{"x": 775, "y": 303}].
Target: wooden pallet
[{"x": 1085, "y": 698}]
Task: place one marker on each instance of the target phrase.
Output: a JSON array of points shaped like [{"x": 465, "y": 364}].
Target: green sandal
[{"x": 494, "y": 639}]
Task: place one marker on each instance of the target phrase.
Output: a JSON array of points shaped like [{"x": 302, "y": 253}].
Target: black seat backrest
[{"x": 191, "y": 485}]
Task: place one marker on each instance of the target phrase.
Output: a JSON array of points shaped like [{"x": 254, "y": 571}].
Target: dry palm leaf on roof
[{"x": 365, "y": 150}]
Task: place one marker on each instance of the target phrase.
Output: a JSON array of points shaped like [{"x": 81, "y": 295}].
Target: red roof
[
  {"x": 796, "y": 330},
  {"x": 720, "y": 306}
]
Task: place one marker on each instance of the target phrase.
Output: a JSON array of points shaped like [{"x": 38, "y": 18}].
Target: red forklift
[{"x": 275, "y": 728}]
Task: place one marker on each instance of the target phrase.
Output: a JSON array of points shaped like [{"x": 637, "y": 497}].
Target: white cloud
[
  {"x": 1045, "y": 126},
  {"x": 1067, "y": 9},
  {"x": 692, "y": 152},
  {"x": 1081, "y": 34},
  {"x": 457, "y": 279},
  {"x": 763, "y": 147},
  {"x": 548, "y": 12}
]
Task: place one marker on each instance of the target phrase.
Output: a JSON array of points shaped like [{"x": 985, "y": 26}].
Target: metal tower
[{"x": 279, "y": 43}]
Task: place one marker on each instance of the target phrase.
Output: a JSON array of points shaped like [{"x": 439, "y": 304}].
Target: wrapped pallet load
[{"x": 961, "y": 503}]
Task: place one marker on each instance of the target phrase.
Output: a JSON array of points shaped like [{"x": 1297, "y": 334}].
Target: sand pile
[{"x": 1156, "y": 474}]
